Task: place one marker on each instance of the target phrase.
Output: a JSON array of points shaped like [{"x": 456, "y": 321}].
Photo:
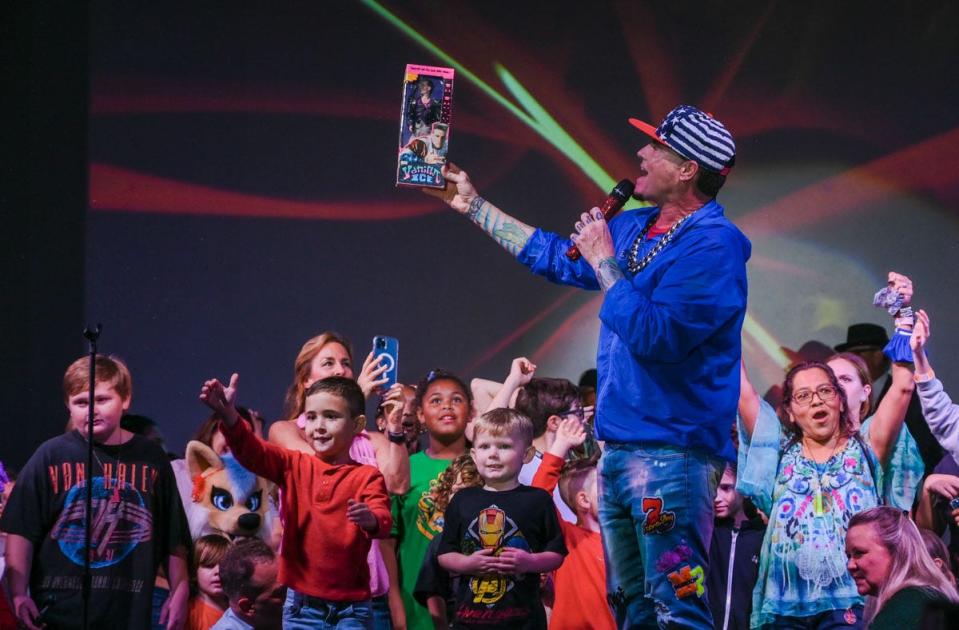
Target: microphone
[{"x": 613, "y": 204}]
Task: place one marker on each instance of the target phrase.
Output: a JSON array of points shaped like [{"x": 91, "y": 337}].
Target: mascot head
[{"x": 227, "y": 498}]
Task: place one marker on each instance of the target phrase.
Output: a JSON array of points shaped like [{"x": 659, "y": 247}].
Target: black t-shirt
[
  {"x": 137, "y": 522},
  {"x": 523, "y": 518}
]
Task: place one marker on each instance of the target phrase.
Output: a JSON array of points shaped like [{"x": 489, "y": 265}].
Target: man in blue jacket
[{"x": 674, "y": 278}]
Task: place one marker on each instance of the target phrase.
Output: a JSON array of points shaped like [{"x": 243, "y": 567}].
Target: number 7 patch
[{"x": 658, "y": 520}]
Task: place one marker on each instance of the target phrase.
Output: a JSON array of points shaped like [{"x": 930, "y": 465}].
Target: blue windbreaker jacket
[{"x": 670, "y": 336}]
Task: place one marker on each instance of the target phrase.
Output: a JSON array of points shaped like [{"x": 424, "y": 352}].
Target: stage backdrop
[{"x": 242, "y": 164}]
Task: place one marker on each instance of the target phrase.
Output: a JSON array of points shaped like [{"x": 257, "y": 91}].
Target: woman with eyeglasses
[
  {"x": 811, "y": 469},
  {"x": 810, "y": 478}
]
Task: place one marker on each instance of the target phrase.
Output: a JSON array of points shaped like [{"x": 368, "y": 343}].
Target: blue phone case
[{"x": 387, "y": 351}]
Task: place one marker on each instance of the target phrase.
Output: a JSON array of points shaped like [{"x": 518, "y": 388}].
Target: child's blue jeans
[
  {"x": 656, "y": 514},
  {"x": 304, "y": 611}
]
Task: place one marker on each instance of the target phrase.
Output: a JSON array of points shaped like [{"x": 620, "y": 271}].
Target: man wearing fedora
[
  {"x": 674, "y": 283},
  {"x": 868, "y": 340}
]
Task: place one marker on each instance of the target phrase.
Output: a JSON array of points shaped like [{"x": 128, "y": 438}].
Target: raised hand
[
  {"x": 361, "y": 514},
  {"x": 220, "y": 399},
  {"x": 902, "y": 284},
  {"x": 569, "y": 434},
  {"x": 393, "y": 404},
  {"x": 521, "y": 371},
  {"x": 459, "y": 191},
  {"x": 371, "y": 377},
  {"x": 920, "y": 333}
]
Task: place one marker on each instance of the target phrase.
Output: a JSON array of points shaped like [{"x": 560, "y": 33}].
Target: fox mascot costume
[{"x": 226, "y": 498}]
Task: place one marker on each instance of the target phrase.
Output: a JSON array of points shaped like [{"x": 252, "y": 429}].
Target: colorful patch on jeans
[
  {"x": 658, "y": 520},
  {"x": 688, "y": 581},
  {"x": 671, "y": 558}
]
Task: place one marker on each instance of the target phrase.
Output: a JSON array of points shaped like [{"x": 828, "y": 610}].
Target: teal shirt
[
  {"x": 415, "y": 523},
  {"x": 903, "y": 473}
]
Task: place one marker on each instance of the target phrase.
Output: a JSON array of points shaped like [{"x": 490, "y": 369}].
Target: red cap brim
[{"x": 646, "y": 128}]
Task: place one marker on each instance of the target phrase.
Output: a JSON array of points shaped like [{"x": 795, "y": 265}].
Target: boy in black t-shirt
[
  {"x": 137, "y": 519},
  {"x": 501, "y": 536}
]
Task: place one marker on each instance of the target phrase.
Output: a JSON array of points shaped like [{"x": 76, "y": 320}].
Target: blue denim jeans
[
  {"x": 303, "y": 611},
  {"x": 849, "y": 619},
  {"x": 382, "y": 619},
  {"x": 656, "y": 514}
]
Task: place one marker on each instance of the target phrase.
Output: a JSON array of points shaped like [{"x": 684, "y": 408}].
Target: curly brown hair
[{"x": 462, "y": 468}]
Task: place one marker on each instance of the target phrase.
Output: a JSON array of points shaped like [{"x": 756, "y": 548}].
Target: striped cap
[{"x": 696, "y": 136}]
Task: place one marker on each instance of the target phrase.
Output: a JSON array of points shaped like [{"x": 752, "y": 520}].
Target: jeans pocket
[{"x": 293, "y": 605}]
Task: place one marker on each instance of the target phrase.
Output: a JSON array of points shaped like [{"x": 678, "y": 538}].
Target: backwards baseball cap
[{"x": 696, "y": 136}]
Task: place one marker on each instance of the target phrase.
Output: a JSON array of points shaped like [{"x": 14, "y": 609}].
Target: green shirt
[
  {"x": 415, "y": 522},
  {"x": 903, "y": 611}
]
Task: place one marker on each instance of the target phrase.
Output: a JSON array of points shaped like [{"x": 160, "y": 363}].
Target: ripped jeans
[{"x": 656, "y": 515}]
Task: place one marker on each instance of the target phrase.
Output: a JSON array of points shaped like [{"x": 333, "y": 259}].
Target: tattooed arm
[
  {"x": 505, "y": 230},
  {"x": 461, "y": 195}
]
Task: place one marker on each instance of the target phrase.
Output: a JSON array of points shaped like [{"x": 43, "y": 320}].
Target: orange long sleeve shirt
[
  {"x": 581, "y": 580},
  {"x": 323, "y": 554}
]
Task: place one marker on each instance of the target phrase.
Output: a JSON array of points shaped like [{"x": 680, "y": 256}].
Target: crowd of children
[{"x": 464, "y": 513}]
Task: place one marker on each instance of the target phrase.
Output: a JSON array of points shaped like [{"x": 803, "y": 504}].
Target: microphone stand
[{"x": 91, "y": 335}]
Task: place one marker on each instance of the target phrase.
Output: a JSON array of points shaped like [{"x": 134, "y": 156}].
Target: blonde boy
[{"x": 503, "y": 534}]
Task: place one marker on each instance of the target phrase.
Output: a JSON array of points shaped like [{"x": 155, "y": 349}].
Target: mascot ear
[
  {"x": 200, "y": 460},
  {"x": 200, "y": 457}
]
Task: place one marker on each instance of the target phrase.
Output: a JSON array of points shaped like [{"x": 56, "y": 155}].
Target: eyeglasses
[
  {"x": 803, "y": 397},
  {"x": 579, "y": 412}
]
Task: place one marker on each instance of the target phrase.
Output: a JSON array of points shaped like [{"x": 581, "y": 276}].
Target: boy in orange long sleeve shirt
[
  {"x": 581, "y": 581},
  {"x": 332, "y": 506}
]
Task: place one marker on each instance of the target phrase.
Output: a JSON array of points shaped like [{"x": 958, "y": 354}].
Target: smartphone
[{"x": 386, "y": 350}]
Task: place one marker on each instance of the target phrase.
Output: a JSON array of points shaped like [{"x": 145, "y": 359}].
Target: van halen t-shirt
[
  {"x": 522, "y": 518},
  {"x": 137, "y": 521}
]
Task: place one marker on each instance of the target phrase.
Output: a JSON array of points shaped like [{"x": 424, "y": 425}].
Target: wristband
[
  {"x": 905, "y": 317},
  {"x": 898, "y": 349},
  {"x": 396, "y": 438},
  {"x": 925, "y": 377}
]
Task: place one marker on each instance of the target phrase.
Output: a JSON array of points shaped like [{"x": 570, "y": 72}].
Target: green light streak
[
  {"x": 535, "y": 116},
  {"x": 547, "y": 127},
  {"x": 765, "y": 341}
]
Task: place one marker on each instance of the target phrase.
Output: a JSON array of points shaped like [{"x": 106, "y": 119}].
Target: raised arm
[
  {"x": 392, "y": 458},
  {"x": 888, "y": 419},
  {"x": 520, "y": 374},
  {"x": 253, "y": 453},
  {"x": 462, "y": 196},
  {"x": 941, "y": 414},
  {"x": 748, "y": 401},
  {"x": 569, "y": 434},
  {"x": 889, "y": 416}
]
